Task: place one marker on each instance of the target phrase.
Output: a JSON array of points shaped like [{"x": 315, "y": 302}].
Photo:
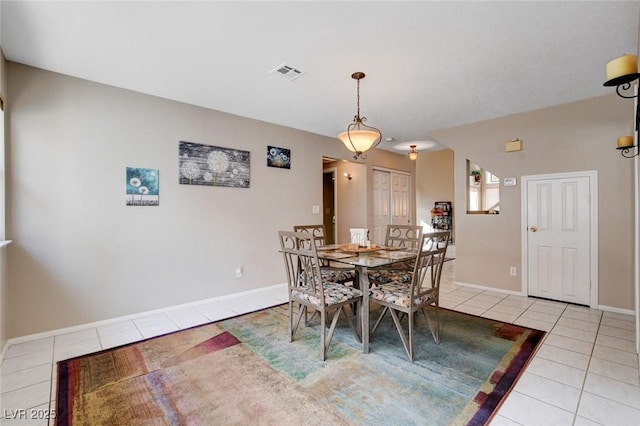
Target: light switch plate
[
  {"x": 315, "y": 209},
  {"x": 510, "y": 181}
]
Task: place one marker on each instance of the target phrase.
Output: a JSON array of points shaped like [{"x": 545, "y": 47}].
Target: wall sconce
[
  {"x": 413, "y": 153},
  {"x": 347, "y": 175},
  {"x": 625, "y": 145},
  {"x": 621, "y": 72},
  {"x": 513, "y": 145}
]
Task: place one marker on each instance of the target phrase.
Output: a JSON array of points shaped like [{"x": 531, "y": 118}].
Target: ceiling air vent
[{"x": 290, "y": 73}]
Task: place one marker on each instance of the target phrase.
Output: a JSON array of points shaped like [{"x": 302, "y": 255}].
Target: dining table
[{"x": 363, "y": 259}]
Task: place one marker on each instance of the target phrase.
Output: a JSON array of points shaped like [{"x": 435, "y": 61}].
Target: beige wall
[
  {"x": 578, "y": 136},
  {"x": 435, "y": 182},
  {"x": 80, "y": 255}
]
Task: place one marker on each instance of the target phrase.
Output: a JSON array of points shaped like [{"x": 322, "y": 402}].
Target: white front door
[{"x": 558, "y": 238}]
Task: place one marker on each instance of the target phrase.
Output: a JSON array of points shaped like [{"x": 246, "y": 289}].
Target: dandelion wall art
[
  {"x": 142, "y": 187},
  {"x": 278, "y": 157},
  {"x": 213, "y": 166}
]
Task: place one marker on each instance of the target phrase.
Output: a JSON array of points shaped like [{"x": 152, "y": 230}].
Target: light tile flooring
[{"x": 585, "y": 372}]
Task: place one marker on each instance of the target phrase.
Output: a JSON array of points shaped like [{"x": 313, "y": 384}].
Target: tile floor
[{"x": 585, "y": 372}]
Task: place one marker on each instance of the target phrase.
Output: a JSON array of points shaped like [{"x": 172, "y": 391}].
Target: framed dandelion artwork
[
  {"x": 142, "y": 187},
  {"x": 213, "y": 165},
  {"x": 278, "y": 157}
]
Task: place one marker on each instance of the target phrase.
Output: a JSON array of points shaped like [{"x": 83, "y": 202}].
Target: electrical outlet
[
  {"x": 512, "y": 271},
  {"x": 239, "y": 272}
]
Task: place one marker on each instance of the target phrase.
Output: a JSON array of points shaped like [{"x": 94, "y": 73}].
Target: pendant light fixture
[
  {"x": 413, "y": 152},
  {"x": 360, "y": 138}
]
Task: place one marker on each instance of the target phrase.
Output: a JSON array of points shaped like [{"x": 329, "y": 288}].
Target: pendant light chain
[{"x": 358, "y": 96}]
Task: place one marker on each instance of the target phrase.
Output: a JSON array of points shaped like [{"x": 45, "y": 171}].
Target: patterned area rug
[{"x": 245, "y": 371}]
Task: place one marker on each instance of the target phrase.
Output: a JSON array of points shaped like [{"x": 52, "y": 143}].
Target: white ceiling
[{"x": 429, "y": 65}]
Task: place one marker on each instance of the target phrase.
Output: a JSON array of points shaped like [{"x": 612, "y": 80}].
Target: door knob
[{"x": 533, "y": 229}]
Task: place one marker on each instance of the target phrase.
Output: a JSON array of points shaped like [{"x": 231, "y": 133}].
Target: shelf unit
[{"x": 442, "y": 216}]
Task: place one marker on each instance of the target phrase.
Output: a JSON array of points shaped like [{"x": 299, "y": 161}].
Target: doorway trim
[
  {"x": 334, "y": 173},
  {"x": 593, "y": 228}
]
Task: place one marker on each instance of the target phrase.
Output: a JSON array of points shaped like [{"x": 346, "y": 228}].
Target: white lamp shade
[{"x": 362, "y": 140}]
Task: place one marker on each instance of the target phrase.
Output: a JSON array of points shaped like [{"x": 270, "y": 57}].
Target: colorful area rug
[{"x": 245, "y": 371}]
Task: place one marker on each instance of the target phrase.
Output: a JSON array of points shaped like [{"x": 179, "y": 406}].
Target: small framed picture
[
  {"x": 142, "y": 187},
  {"x": 278, "y": 157}
]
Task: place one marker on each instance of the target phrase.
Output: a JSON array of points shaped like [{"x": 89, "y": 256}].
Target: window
[{"x": 483, "y": 190}]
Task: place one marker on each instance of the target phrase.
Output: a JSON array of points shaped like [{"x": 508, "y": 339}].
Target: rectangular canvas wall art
[
  {"x": 142, "y": 187},
  {"x": 278, "y": 157},
  {"x": 213, "y": 165}
]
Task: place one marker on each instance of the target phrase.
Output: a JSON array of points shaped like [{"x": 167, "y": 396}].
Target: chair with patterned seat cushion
[
  {"x": 383, "y": 276},
  {"x": 422, "y": 292},
  {"x": 336, "y": 274},
  {"x": 406, "y": 237},
  {"x": 309, "y": 291}
]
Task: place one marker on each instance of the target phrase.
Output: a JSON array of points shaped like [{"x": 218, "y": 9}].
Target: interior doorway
[
  {"x": 329, "y": 204},
  {"x": 559, "y": 241}
]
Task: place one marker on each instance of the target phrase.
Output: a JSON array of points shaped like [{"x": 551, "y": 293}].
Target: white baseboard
[
  {"x": 617, "y": 310},
  {"x": 79, "y": 327},
  {"x": 519, "y": 293},
  {"x": 486, "y": 288},
  {"x": 242, "y": 294},
  {"x": 4, "y": 351}
]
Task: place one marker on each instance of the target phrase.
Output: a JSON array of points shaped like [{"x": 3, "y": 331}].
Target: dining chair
[
  {"x": 407, "y": 237},
  {"x": 404, "y": 236},
  {"x": 336, "y": 274},
  {"x": 309, "y": 291},
  {"x": 405, "y": 300}
]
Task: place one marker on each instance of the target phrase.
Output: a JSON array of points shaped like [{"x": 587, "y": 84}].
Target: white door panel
[
  {"x": 391, "y": 201},
  {"x": 558, "y": 239},
  {"x": 381, "y": 199},
  {"x": 400, "y": 199}
]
